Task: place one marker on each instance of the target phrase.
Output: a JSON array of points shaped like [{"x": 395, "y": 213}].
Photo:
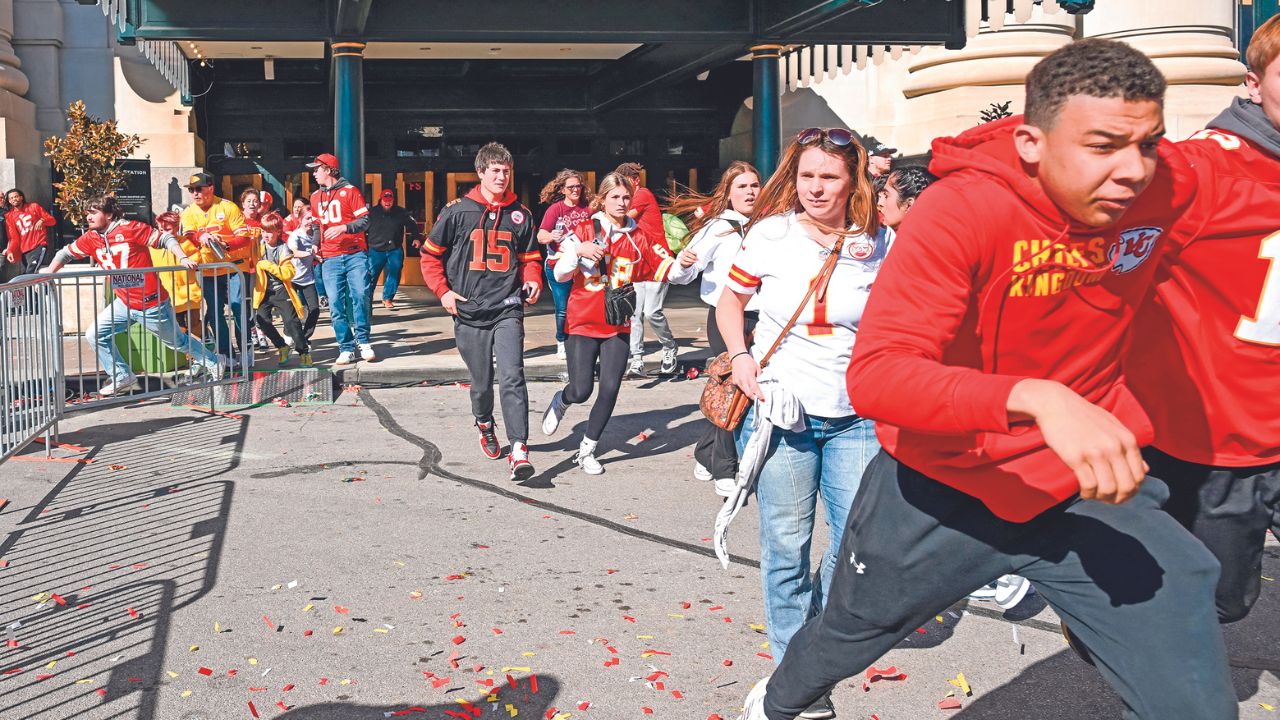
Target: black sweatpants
[
  {"x": 582, "y": 353},
  {"x": 480, "y": 347},
  {"x": 311, "y": 305},
  {"x": 1229, "y": 509},
  {"x": 717, "y": 451},
  {"x": 276, "y": 298},
  {"x": 1132, "y": 583}
]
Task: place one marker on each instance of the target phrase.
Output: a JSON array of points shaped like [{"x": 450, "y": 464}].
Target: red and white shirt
[
  {"x": 339, "y": 205},
  {"x": 125, "y": 246},
  {"x": 778, "y": 262},
  {"x": 629, "y": 256},
  {"x": 28, "y": 227}
]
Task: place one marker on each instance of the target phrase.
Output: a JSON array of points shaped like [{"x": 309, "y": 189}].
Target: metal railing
[
  {"x": 83, "y": 339},
  {"x": 31, "y": 380}
]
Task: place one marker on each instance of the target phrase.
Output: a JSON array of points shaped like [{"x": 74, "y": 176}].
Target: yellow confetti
[
  {"x": 677, "y": 616},
  {"x": 171, "y": 674},
  {"x": 765, "y": 644},
  {"x": 308, "y": 607},
  {"x": 51, "y": 664},
  {"x": 277, "y": 586},
  {"x": 39, "y": 598},
  {"x": 516, "y": 669},
  {"x": 337, "y": 630},
  {"x": 529, "y": 654},
  {"x": 1268, "y": 708},
  {"x": 756, "y": 626},
  {"x": 345, "y": 681},
  {"x": 415, "y": 594},
  {"x": 644, "y": 637},
  {"x": 384, "y": 631},
  {"x": 512, "y": 709},
  {"x": 1264, "y": 577},
  {"x": 253, "y": 661},
  {"x": 85, "y": 681},
  {"x": 217, "y": 627},
  {"x": 186, "y": 693},
  {"x": 960, "y": 682},
  {"x": 397, "y": 562},
  {"x": 938, "y": 618},
  {"x": 193, "y": 648}
]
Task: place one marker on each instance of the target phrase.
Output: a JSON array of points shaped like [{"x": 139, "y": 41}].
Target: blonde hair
[
  {"x": 780, "y": 196},
  {"x": 607, "y": 185}
]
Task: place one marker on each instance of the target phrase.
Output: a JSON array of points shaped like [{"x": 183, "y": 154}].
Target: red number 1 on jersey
[{"x": 487, "y": 253}]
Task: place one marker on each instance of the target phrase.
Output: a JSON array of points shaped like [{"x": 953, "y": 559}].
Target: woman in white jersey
[
  {"x": 819, "y": 202},
  {"x": 716, "y": 223}
]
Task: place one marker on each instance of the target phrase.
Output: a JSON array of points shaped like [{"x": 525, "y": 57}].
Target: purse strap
[{"x": 824, "y": 277}]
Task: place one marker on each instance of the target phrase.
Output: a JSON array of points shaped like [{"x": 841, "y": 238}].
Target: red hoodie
[{"x": 990, "y": 283}]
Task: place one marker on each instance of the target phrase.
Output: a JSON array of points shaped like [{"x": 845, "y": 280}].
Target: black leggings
[
  {"x": 582, "y": 354},
  {"x": 716, "y": 450}
]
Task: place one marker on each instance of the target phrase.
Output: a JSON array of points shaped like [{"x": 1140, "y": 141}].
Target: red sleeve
[
  {"x": 552, "y": 214},
  {"x": 83, "y": 245},
  {"x": 923, "y": 293},
  {"x": 356, "y": 205},
  {"x": 239, "y": 240},
  {"x": 433, "y": 270},
  {"x": 655, "y": 261},
  {"x": 531, "y": 268},
  {"x": 46, "y": 218},
  {"x": 11, "y": 227}
]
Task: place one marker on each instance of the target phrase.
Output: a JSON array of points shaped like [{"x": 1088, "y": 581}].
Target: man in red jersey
[
  {"x": 341, "y": 219},
  {"x": 27, "y": 226},
  {"x": 1206, "y": 351},
  {"x": 989, "y": 356},
  {"x": 115, "y": 243}
]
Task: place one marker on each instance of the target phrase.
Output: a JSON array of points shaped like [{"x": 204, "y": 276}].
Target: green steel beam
[
  {"x": 351, "y": 17},
  {"x": 784, "y": 19}
]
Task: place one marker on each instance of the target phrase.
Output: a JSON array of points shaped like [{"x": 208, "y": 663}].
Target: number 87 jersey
[
  {"x": 1205, "y": 358},
  {"x": 483, "y": 252}
]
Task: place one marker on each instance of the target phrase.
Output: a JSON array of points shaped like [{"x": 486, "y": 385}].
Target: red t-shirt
[
  {"x": 988, "y": 284},
  {"x": 339, "y": 205},
  {"x": 27, "y": 227},
  {"x": 568, "y": 216},
  {"x": 648, "y": 215},
  {"x": 125, "y": 246},
  {"x": 1205, "y": 360},
  {"x": 628, "y": 257}
]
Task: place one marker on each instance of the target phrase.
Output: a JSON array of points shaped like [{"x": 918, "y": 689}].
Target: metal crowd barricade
[
  {"x": 31, "y": 380},
  {"x": 69, "y": 339}
]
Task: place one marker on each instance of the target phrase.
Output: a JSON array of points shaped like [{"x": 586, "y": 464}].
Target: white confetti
[{"x": 292, "y": 584}]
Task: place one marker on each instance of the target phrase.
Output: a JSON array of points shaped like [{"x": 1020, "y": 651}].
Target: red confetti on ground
[
  {"x": 716, "y": 716},
  {"x": 102, "y": 692},
  {"x": 677, "y": 694},
  {"x": 920, "y": 630},
  {"x": 646, "y": 710},
  {"x": 628, "y": 618},
  {"x": 728, "y": 663},
  {"x": 728, "y": 619},
  {"x": 568, "y": 632},
  {"x": 949, "y": 704},
  {"x": 324, "y": 681},
  {"x": 611, "y": 662},
  {"x": 584, "y": 705},
  {"x": 267, "y": 620},
  {"x": 458, "y": 640},
  {"x": 306, "y": 633},
  {"x": 764, "y": 655},
  {"x": 714, "y": 608},
  {"x": 610, "y": 571},
  {"x": 439, "y": 682},
  {"x": 497, "y": 631},
  {"x": 686, "y": 605},
  {"x": 253, "y": 710},
  {"x": 12, "y": 643},
  {"x": 456, "y": 577},
  {"x": 43, "y": 677},
  {"x": 287, "y": 688},
  {"x": 133, "y": 613},
  {"x": 533, "y": 684},
  {"x": 13, "y": 671},
  {"x": 280, "y": 704},
  {"x": 341, "y": 610},
  {"x": 205, "y": 671},
  {"x": 58, "y": 599},
  {"x": 232, "y": 672}
]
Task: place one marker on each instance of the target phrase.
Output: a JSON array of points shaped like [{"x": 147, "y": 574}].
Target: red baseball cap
[
  {"x": 325, "y": 159},
  {"x": 388, "y": 193}
]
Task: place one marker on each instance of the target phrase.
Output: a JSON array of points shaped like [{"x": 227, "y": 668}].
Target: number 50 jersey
[
  {"x": 1205, "y": 357},
  {"x": 485, "y": 253}
]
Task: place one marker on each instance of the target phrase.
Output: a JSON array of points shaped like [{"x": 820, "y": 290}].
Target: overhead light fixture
[{"x": 269, "y": 67}]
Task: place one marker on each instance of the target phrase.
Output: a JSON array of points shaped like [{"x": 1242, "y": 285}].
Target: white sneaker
[
  {"x": 753, "y": 707},
  {"x": 346, "y": 357},
  {"x": 726, "y": 487},
  {"x": 586, "y": 458},
  {"x": 288, "y": 341},
  {"x": 668, "y": 360},
  {"x": 1010, "y": 590},
  {"x": 986, "y": 592},
  {"x": 560, "y": 352},
  {"x": 367, "y": 354},
  {"x": 521, "y": 468},
  {"x": 118, "y": 388},
  {"x": 636, "y": 368},
  {"x": 700, "y": 472},
  {"x": 554, "y": 413},
  {"x": 821, "y": 709}
]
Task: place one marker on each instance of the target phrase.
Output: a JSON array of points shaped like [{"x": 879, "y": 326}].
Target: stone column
[
  {"x": 21, "y": 161},
  {"x": 1191, "y": 42}
]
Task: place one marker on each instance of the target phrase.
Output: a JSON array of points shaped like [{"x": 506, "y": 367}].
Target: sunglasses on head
[{"x": 836, "y": 136}]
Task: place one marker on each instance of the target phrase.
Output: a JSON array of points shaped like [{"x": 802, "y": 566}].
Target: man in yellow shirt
[{"x": 213, "y": 231}]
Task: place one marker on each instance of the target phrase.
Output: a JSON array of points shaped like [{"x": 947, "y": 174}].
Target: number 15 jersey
[
  {"x": 1205, "y": 358},
  {"x": 484, "y": 252}
]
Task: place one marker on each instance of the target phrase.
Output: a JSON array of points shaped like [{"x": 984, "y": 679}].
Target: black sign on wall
[{"x": 135, "y": 196}]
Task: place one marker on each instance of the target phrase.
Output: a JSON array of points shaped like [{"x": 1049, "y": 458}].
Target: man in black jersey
[{"x": 482, "y": 261}]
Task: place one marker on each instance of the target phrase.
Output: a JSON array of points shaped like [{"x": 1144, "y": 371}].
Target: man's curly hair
[{"x": 1094, "y": 68}]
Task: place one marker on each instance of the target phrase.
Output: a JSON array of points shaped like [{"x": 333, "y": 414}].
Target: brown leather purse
[{"x": 724, "y": 403}]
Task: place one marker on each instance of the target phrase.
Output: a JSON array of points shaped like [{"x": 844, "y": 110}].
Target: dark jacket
[{"x": 387, "y": 227}]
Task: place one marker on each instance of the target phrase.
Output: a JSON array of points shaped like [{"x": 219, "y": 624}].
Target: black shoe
[{"x": 489, "y": 440}]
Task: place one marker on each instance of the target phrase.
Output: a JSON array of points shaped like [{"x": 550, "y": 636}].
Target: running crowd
[{"x": 1050, "y": 354}]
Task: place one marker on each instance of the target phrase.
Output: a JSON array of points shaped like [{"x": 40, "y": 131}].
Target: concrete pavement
[{"x": 363, "y": 558}]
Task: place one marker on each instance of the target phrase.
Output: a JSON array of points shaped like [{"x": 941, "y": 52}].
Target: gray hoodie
[{"x": 1247, "y": 119}]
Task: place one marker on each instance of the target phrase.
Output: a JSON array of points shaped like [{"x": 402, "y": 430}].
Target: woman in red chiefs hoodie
[
  {"x": 607, "y": 251},
  {"x": 989, "y": 357}
]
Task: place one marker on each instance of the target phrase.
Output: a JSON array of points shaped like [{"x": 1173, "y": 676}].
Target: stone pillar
[
  {"x": 21, "y": 161},
  {"x": 38, "y": 41},
  {"x": 348, "y": 109},
  {"x": 1191, "y": 42},
  {"x": 766, "y": 121}
]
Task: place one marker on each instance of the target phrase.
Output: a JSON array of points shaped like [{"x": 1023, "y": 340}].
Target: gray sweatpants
[
  {"x": 649, "y": 299},
  {"x": 1129, "y": 581},
  {"x": 479, "y": 347}
]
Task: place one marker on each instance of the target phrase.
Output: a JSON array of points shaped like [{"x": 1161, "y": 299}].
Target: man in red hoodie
[
  {"x": 989, "y": 356},
  {"x": 27, "y": 226},
  {"x": 482, "y": 261},
  {"x": 1205, "y": 353}
]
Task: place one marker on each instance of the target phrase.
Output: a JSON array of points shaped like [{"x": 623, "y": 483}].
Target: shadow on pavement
[
  {"x": 505, "y": 701},
  {"x": 100, "y": 564}
]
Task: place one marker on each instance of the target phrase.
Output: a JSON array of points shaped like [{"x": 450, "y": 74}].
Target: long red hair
[{"x": 779, "y": 194}]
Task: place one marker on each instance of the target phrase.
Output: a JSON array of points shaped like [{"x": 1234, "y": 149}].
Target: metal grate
[{"x": 304, "y": 386}]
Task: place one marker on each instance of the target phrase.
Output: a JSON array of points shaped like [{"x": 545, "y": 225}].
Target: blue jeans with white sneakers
[
  {"x": 159, "y": 320},
  {"x": 827, "y": 459}
]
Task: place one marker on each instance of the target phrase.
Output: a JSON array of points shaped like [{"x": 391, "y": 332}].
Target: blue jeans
[
  {"x": 237, "y": 302},
  {"x": 559, "y": 294},
  {"x": 393, "y": 262},
  {"x": 346, "y": 282},
  {"x": 826, "y": 458},
  {"x": 215, "y": 291},
  {"x": 159, "y": 320}
]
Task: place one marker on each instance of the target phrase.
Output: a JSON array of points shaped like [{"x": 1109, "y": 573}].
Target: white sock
[{"x": 587, "y": 447}]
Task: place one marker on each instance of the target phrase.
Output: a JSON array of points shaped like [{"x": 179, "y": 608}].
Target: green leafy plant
[
  {"x": 997, "y": 111},
  {"x": 87, "y": 158}
]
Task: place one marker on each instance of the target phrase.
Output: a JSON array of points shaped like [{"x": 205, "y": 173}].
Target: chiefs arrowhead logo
[
  {"x": 862, "y": 248},
  {"x": 1132, "y": 248},
  {"x": 517, "y": 217}
]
